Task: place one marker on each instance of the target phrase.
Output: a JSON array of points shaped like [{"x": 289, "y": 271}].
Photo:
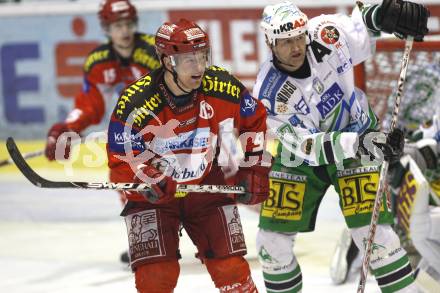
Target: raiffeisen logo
[{"x": 196, "y": 139}]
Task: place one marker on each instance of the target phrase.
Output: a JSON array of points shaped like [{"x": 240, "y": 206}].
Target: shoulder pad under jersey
[
  {"x": 100, "y": 54},
  {"x": 219, "y": 83},
  {"x": 140, "y": 101},
  {"x": 145, "y": 53}
]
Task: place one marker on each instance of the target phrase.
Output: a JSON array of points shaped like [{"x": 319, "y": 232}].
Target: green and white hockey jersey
[{"x": 318, "y": 118}]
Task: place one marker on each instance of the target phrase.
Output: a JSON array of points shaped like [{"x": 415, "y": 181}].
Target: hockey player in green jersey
[{"x": 324, "y": 126}]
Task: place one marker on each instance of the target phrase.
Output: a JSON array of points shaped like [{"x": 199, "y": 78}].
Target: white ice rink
[{"x": 54, "y": 241}]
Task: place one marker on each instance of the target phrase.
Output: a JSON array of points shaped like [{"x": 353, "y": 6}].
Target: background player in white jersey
[{"x": 320, "y": 119}]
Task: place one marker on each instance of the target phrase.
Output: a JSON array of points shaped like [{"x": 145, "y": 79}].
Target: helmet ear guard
[{"x": 281, "y": 21}]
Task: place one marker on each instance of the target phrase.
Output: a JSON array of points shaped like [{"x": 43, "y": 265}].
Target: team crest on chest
[
  {"x": 330, "y": 35},
  {"x": 206, "y": 110}
]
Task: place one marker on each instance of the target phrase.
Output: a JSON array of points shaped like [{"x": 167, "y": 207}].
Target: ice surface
[{"x": 70, "y": 241}]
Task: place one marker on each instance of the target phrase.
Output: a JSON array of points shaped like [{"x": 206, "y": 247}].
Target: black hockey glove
[
  {"x": 403, "y": 18},
  {"x": 391, "y": 145}
]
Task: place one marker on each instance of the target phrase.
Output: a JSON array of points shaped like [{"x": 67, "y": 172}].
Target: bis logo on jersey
[
  {"x": 286, "y": 196},
  {"x": 358, "y": 188}
]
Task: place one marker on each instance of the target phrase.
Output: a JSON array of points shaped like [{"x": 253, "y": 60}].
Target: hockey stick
[
  {"x": 35, "y": 154},
  {"x": 384, "y": 169},
  {"x": 39, "y": 181},
  {"x": 26, "y": 156}
]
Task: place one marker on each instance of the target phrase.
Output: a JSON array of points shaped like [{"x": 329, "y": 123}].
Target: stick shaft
[
  {"x": 39, "y": 181},
  {"x": 26, "y": 156},
  {"x": 35, "y": 154},
  {"x": 384, "y": 168}
]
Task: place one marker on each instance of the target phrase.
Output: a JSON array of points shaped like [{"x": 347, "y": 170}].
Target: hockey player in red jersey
[
  {"x": 110, "y": 67},
  {"x": 181, "y": 124}
]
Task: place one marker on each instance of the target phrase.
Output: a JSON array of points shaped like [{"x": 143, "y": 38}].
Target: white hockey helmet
[{"x": 283, "y": 20}]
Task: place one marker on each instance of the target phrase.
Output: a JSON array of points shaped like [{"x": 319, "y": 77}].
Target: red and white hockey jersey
[{"x": 184, "y": 142}]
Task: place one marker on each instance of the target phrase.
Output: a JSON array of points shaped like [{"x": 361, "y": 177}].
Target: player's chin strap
[
  {"x": 176, "y": 81},
  {"x": 280, "y": 62},
  {"x": 287, "y": 64},
  {"x": 175, "y": 76}
]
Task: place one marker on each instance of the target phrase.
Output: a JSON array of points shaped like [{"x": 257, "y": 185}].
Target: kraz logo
[
  {"x": 118, "y": 138},
  {"x": 330, "y": 99},
  {"x": 287, "y": 27}
]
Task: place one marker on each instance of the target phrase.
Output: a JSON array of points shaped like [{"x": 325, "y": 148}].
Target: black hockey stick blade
[
  {"x": 39, "y": 181},
  {"x": 27, "y": 171}
]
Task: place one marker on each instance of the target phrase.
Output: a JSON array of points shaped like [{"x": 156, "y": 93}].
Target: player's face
[
  {"x": 291, "y": 52},
  {"x": 122, "y": 32},
  {"x": 190, "y": 67}
]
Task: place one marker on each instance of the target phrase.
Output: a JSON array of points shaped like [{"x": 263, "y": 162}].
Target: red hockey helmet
[
  {"x": 114, "y": 10},
  {"x": 183, "y": 36}
]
